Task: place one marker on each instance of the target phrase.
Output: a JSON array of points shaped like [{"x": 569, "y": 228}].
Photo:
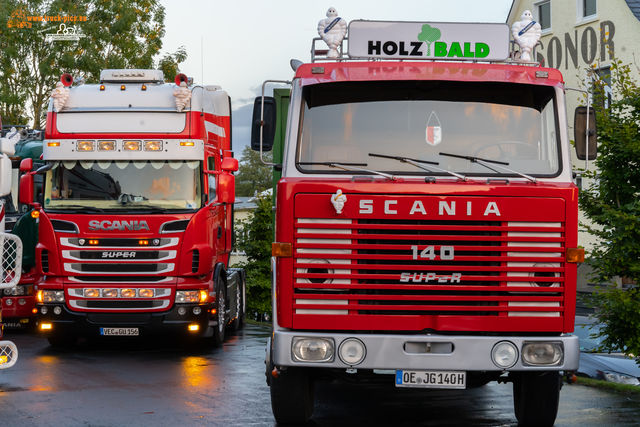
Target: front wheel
[
  {"x": 292, "y": 396},
  {"x": 218, "y": 332},
  {"x": 536, "y": 396}
]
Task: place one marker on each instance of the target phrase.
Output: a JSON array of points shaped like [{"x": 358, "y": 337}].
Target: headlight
[
  {"x": 352, "y": 351},
  {"x": 109, "y": 293},
  {"x": 128, "y": 293},
  {"x": 153, "y": 145},
  {"x": 504, "y": 354},
  {"x": 542, "y": 353},
  {"x": 52, "y": 296},
  {"x": 85, "y": 146},
  {"x": 187, "y": 296},
  {"x": 146, "y": 293},
  {"x": 615, "y": 377},
  {"x": 91, "y": 293},
  {"x": 131, "y": 145},
  {"x": 106, "y": 145},
  {"x": 312, "y": 349}
]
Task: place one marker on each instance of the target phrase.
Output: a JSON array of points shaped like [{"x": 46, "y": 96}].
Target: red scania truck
[
  {"x": 426, "y": 219},
  {"x": 136, "y": 216}
]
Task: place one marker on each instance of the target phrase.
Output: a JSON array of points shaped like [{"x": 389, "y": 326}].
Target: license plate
[
  {"x": 119, "y": 331},
  {"x": 431, "y": 379}
]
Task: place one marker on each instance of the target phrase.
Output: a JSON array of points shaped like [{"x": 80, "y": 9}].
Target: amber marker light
[
  {"x": 34, "y": 310},
  {"x": 281, "y": 250},
  {"x": 186, "y": 144},
  {"x": 45, "y": 326},
  {"x": 38, "y": 298},
  {"x": 101, "y": 87},
  {"x": 575, "y": 255},
  {"x": 53, "y": 144},
  {"x": 143, "y": 242},
  {"x": 144, "y": 87},
  {"x": 4, "y": 359},
  {"x": 194, "y": 328},
  {"x": 35, "y": 214},
  {"x": 123, "y": 87},
  {"x": 203, "y": 296},
  {"x": 94, "y": 242}
]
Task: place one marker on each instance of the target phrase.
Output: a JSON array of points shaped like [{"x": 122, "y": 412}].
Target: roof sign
[{"x": 429, "y": 40}]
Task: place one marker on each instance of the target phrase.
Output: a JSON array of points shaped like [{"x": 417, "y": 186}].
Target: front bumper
[
  {"x": 19, "y": 312},
  {"x": 467, "y": 353},
  {"x": 166, "y": 323}
]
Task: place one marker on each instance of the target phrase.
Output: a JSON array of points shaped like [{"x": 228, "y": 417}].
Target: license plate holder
[
  {"x": 119, "y": 331},
  {"x": 431, "y": 379}
]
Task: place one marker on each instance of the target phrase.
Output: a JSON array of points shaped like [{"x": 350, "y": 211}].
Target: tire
[
  {"x": 239, "y": 320},
  {"x": 219, "y": 329},
  {"x": 292, "y": 396},
  {"x": 62, "y": 341},
  {"x": 536, "y": 396}
]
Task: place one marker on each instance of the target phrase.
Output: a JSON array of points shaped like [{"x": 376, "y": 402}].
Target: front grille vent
[
  {"x": 44, "y": 258},
  {"x": 174, "y": 226},
  {"x": 64, "y": 226},
  {"x": 195, "y": 261}
]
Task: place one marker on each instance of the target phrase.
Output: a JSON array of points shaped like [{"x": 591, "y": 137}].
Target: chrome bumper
[{"x": 459, "y": 353}]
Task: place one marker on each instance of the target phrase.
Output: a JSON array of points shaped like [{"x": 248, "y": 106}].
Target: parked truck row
[{"x": 425, "y": 222}]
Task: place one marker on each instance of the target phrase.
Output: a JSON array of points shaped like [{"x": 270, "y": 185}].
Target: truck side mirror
[
  {"x": 580, "y": 136},
  {"x": 226, "y": 188},
  {"x": 229, "y": 165},
  {"x": 25, "y": 195},
  {"x": 268, "y": 125},
  {"x": 26, "y": 165}
]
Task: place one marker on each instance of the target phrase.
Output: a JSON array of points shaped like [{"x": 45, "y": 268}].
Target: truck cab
[{"x": 426, "y": 219}]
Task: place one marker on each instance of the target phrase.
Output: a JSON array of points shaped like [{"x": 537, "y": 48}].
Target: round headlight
[
  {"x": 504, "y": 354},
  {"x": 182, "y": 311},
  {"x": 312, "y": 349},
  {"x": 9, "y": 301},
  {"x": 197, "y": 310},
  {"x": 57, "y": 310},
  {"x": 44, "y": 310},
  {"x": 352, "y": 351}
]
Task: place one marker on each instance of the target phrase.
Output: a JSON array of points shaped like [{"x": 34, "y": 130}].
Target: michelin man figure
[
  {"x": 59, "y": 95},
  {"x": 338, "y": 200},
  {"x": 183, "y": 95},
  {"x": 332, "y": 30},
  {"x": 526, "y": 33}
]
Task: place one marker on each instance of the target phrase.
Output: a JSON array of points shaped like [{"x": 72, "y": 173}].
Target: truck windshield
[
  {"x": 511, "y": 123},
  {"x": 123, "y": 185}
]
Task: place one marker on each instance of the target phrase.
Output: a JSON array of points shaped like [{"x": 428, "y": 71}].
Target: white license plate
[
  {"x": 431, "y": 379},
  {"x": 119, "y": 331}
]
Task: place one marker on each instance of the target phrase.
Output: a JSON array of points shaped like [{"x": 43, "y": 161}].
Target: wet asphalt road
[{"x": 121, "y": 383}]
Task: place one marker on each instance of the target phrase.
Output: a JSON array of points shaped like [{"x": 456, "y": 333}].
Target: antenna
[{"x": 202, "y": 59}]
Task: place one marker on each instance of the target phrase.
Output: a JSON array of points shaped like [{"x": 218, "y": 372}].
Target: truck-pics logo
[{"x": 118, "y": 225}]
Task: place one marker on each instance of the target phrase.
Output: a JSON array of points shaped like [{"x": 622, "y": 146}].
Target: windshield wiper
[
  {"x": 349, "y": 167},
  {"x": 494, "y": 163},
  {"x": 79, "y": 207},
  {"x": 415, "y": 162}
]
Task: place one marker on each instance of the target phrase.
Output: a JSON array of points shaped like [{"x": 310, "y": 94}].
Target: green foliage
[
  {"x": 253, "y": 175},
  {"x": 168, "y": 64},
  {"x": 123, "y": 34},
  {"x": 429, "y": 35},
  {"x": 254, "y": 237},
  {"x": 612, "y": 204}
]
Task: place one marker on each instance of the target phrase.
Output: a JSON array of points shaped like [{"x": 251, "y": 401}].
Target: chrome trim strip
[
  {"x": 164, "y": 305},
  {"x": 150, "y": 282},
  {"x": 65, "y": 242},
  {"x": 67, "y": 267},
  {"x": 172, "y": 255},
  {"x": 159, "y": 292}
]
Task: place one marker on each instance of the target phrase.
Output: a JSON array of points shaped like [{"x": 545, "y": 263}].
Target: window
[
  {"x": 211, "y": 165},
  {"x": 587, "y": 10},
  {"x": 543, "y": 14},
  {"x": 600, "y": 82}
]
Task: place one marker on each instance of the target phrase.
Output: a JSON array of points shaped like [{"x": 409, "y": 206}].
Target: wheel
[
  {"x": 62, "y": 341},
  {"x": 239, "y": 320},
  {"x": 292, "y": 395},
  {"x": 218, "y": 332},
  {"x": 536, "y": 396}
]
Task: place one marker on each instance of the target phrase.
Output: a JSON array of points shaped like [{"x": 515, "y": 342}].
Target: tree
[
  {"x": 168, "y": 64},
  {"x": 115, "y": 35},
  {"x": 254, "y": 238},
  {"x": 612, "y": 205},
  {"x": 253, "y": 175}
]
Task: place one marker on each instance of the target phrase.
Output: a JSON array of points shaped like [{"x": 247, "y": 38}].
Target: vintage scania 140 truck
[
  {"x": 135, "y": 221},
  {"x": 426, "y": 219}
]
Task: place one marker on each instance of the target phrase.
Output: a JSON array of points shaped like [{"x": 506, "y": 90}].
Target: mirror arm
[
  {"x": 589, "y": 131},
  {"x": 262, "y": 115}
]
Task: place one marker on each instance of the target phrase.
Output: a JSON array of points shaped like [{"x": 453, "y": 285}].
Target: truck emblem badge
[
  {"x": 118, "y": 225},
  {"x": 434, "y": 130},
  {"x": 338, "y": 200}
]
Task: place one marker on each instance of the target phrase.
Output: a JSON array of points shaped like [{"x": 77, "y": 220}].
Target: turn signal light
[
  {"x": 53, "y": 144},
  {"x": 186, "y": 144},
  {"x": 203, "y": 296},
  {"x": 35, "y": 214},
  {"x": 38, "y": 297},
  {"x": 575, "y": 255},
  {"x": 282, "y": 250}
]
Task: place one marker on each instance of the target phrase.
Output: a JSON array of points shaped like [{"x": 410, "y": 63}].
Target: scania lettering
[
  {"x": 426, "y": 220},
  {"x": 136, "y": 214}
]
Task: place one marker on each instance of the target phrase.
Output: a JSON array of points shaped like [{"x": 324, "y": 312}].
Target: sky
[{"x": 241, "y": 43}]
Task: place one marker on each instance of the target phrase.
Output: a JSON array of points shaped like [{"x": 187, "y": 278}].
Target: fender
[{"x": 219, "y": 273}]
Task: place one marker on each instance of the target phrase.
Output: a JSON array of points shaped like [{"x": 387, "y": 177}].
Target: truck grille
[{"x": 438, "y": 267}]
